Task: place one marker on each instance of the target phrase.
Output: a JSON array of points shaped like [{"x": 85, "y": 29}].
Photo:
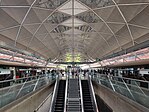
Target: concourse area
[{"x": 74, "y": 55}]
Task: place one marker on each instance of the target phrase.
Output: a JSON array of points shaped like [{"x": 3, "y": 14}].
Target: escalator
[
  {"x": 60, "y": 99},
  {"x": 73, "y": 98},
  {"x": 73, "y": 95},
  {"x": 87, "y": 99}
]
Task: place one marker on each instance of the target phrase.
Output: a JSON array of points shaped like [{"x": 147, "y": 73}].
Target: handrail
[
  {"x": 18, "y": 79},
  {"x": 125, "y": 78},
  {"x": 66, "y": 90},
  {"x": 54, "y": 94},
  {"x": 122, "y": 78},
  {"x": 135, "y": 95},
  {"x": 14, "y": 85},
  {"x": 17, "y": 92},
  {"x": 9, "y": 88},
  {"x": 93, "y": 93},
  {"x": 125, "y": 87},
  {"x": 132, "y": 85},
  {"x": 140, "y": 88},
  {"x": 19, "y": 83},
  {"x": 115, "y": 78},
  {"x": 131, "y": 79},
  {"x": 26, "y": 82},
  {"x": 81, "y": 94},
  {"x": 42, "y": 103}
]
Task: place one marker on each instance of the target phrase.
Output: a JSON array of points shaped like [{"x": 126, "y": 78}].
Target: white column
[{"x": 14, "y": 72}]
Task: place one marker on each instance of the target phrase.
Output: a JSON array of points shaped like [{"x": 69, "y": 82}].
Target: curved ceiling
[{"x": 87, "y": 29}]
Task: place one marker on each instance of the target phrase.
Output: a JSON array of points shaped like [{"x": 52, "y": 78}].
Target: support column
[{"x": 13, "y": 69}]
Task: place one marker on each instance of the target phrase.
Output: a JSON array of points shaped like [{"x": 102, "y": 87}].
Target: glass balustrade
[
  {"x": 11, "y": 90},
  {"x": 137, "y": 90}
]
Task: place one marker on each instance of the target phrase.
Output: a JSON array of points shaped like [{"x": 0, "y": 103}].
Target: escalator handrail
[
  {"x": 93, "y": 94},
  {"x": 54, "y": 94},
  {"x": 81, "y": 94},
  {"x": 66, "y": 90}
]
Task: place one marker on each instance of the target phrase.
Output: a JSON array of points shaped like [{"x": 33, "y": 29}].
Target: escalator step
[
  {"x": 87, "y": 99},
  {"x": 59, "y": 104}
]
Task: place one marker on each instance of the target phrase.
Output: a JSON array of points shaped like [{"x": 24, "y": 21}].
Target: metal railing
[
  {"x": 54, "y": 94},
  {"x": 21, "y": 87},
  {"x": 81, "y": 94},
  {"x": 137, "y": 90},
  {"x": 66, "y": 93}
]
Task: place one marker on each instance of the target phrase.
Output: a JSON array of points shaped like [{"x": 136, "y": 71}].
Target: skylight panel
[
  {"x": 68, "y": 8},
  {"x": 70, "y": 22}
]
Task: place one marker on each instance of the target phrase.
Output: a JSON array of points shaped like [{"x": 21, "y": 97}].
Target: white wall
[
  {"x": 4, "y": 71},
  {"x": 144, "y": 71}
]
